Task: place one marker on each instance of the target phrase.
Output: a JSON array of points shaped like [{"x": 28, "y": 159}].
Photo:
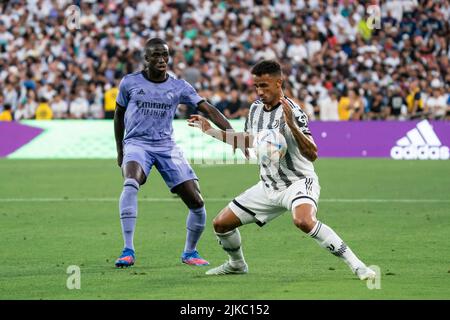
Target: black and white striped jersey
[{"x": 293, "y": 166}]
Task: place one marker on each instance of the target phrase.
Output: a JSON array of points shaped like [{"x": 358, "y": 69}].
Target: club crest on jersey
[
  {"x": 275, "y": 124},
  {"x": 302, "y": 118},
  {"x": 169, "y": 95}
]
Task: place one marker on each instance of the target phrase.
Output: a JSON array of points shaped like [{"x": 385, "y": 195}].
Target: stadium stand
[{"x": 400, "y": 70}]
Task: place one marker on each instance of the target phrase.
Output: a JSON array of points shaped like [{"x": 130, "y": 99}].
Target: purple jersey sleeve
[
  {"x": 122, "y": 97},
  {"x": 189, "y": 95}
]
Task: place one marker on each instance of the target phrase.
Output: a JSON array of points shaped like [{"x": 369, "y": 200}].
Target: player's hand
[
  {"x": 287, "y": 112},
  {"x": 119, "y": 158},
  {"x": 197, "y": 121}
]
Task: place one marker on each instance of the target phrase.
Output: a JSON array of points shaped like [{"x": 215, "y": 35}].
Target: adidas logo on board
[{"x": 420, "y": 143}]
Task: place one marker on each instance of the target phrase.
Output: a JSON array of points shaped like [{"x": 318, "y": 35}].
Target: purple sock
[
  {"x": 195, "y": 224},
  {"x": 128, "y": 211}
]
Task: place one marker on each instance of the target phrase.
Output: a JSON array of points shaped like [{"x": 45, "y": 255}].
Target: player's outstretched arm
[
  {"x": 215, "y": 115},
  {"x": 241, "y": 140},
  {"x": 119, "y": 130},
  {"x": 305, "y": 143}
]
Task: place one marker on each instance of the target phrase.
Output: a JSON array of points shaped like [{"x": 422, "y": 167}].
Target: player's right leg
[
  {"x": 135, "y": 163},
  {"x": 252, "y": 206},
  {"x": 226, "y": 228}
]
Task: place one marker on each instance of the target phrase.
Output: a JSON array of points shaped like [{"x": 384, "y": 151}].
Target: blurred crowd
[{"x": 64, "y": 59}]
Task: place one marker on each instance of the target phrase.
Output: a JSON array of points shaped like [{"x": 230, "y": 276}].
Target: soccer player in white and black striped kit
[{"x": 289, "y": 184}]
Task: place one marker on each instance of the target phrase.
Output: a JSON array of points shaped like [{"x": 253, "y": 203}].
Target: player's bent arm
[
  {"x": 215, "y": 115},
  {"x": 119, "y": 126},
  {"x": 305, "y": 143}
]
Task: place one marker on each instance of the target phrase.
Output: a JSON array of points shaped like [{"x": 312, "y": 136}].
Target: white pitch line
[{"x": 213, "y": 200}]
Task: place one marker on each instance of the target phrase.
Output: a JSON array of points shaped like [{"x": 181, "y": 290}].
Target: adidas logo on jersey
[
  {"x": 142, "y": 92},
  {"x": 420, "y": 143}
]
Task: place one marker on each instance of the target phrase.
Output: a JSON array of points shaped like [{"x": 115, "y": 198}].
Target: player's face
[
  {"x": 157, "y": 57},
  {"x": 268, "y": 88}
]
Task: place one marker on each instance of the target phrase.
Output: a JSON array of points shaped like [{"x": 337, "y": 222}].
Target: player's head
[
  {"x": 267, "y": 79},
  {"x": 156, "y": 55}
]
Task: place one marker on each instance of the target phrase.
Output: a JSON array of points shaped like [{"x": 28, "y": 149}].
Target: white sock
[
  {"x": 328, "y": 239},
  {"x": 231, "y": 243}
]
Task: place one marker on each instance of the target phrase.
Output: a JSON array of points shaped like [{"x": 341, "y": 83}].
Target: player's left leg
[
  {"x": 189, "y": 192},
  {"x": 181, "y": 179},
  {"x": 304, "y": 218}
]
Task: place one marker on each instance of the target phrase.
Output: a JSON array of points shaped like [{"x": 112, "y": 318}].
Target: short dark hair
[
  {"x": 154, "y": 41},
  {"x": 270, "y": 67}
]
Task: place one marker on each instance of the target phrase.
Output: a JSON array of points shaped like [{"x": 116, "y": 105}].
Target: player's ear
[{"x": 279, "y": 83}]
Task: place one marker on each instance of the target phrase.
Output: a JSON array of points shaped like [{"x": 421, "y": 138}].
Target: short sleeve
[
  {"x": 123, "y": 97},
  {"x": 301, "y": 120},
  {"x": 189, "y": 95}
]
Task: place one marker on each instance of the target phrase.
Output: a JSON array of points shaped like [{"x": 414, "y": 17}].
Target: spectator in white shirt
[
  {"x": 313, "y": 45},
  {"x": 315, "y": 87},
  {"x": 11, "y": 95},
  {"x": 79, "y": 106},
  {"x": 297, "y": 50},
  {"x": 436, "y": 104},
  {"x": 60, "y": 107},
  {"x": 21, "y": 113},
  {"x": 30, "y": 105},
  {"x": 329, "y": 107}
]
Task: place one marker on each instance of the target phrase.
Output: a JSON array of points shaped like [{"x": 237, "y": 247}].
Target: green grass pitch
[{"x": 57, "y": 213}]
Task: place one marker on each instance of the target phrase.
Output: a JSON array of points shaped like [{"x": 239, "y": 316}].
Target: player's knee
[
  {"x": 134, "y": 171},
  {"x": 304, "y": 224},
  {"x": 196, "y": 202},
  {"x": 220, "y": 226}
]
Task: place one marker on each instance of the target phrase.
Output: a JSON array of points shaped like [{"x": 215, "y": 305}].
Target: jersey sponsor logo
[
  {"x": 420, "y": 143},
  {"x": 155, "y": 109}
]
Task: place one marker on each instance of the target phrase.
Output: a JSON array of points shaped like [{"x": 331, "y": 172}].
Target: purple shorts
[{"x": 169, "y": 161}]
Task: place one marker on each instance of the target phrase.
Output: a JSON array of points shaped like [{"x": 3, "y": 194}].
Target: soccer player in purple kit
[{"x": 145, "y": 108}]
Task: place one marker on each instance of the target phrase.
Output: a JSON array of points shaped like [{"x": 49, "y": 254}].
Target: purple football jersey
[{"x": 150, "y": 107}]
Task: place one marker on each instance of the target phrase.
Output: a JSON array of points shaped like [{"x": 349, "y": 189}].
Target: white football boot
[
  {"x": 365, "y": 273},
  {"x": 226, "y": 268}
]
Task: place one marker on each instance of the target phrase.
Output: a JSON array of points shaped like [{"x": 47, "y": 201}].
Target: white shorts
[{"x": 261, "y": 205}]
